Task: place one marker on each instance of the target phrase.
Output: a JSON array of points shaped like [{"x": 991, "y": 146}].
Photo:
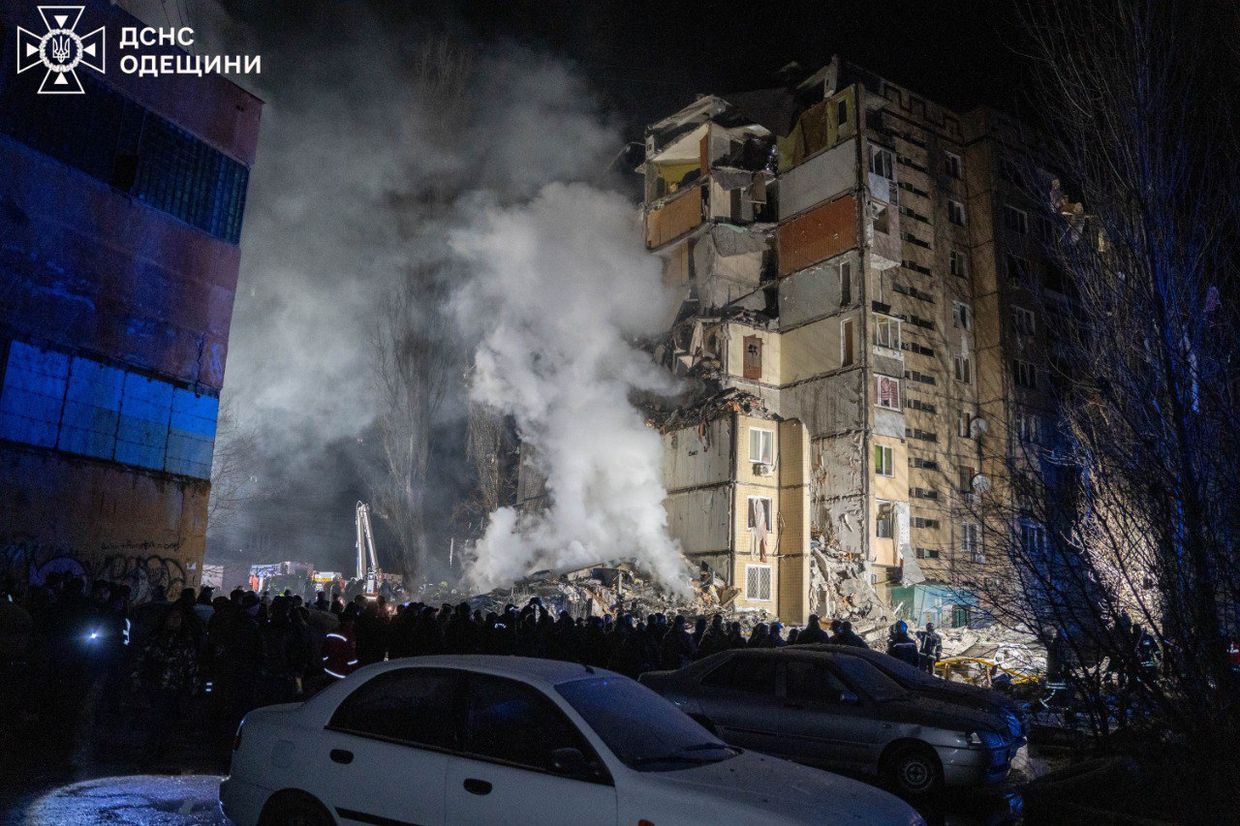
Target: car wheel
[
  {"x": 292, "y": 809},
  {"x": 914, "y": 771}
]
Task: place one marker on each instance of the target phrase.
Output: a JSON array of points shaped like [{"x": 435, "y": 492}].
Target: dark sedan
[
  {"x": 1014, "y": 713},
  {"x": 840, "y": 712}
]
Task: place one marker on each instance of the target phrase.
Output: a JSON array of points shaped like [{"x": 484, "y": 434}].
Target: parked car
[
  {"x": 502, "y": 740},
  {"x": 1014, "y": 713},
  {"x": 840, "y": 712}
]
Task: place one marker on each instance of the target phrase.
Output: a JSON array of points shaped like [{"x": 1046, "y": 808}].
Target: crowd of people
[{"x": 246, "y": 649}]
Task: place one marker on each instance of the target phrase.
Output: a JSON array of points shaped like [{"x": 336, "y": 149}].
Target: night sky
[{"x": 648, "y": 59}]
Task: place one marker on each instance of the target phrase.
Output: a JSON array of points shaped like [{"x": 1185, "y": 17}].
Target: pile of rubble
[
  {"x": 1013, "y": 648},
  {"x": 840, "y": 588},
  {"x": 608, "y": 589},
  {"x": 729, "y": 400}
]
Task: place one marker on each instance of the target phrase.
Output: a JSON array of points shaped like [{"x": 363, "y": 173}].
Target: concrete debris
[
  {"x": 840, "y": 589},
  {"x": 1016, "y": 648},
  {"x": 610, "y": 589},
  {"x": 725, "y": 402}
]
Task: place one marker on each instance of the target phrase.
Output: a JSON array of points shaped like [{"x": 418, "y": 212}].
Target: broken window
[
  {"x": 1015, "y": 220},
  {"x": 879, "y": 212},
  {"x": 966, "y": 478},
  {"x": 753, "y": 357},
  {"x": 888, "y": 392},
  {"x": 952, "y": 164},
  {"x": 971, "y": 542},
  {"x": 1025, "y": 373},
  {"x": 759, "y": 513},
  {"x": 961, "y": 317},
  {"x": 955, "y": 212},
  {"x": 885, "y": 524},
  {"x": 846, "y": 342},
  {"x": 887, "y": 332},
  {"x": 841, "y": 112},
  {"x": 1024, "y": 320},
  {"x": 956, "y": 263},
  {"x": 758, "y": 582},
  {"x": 883, "y": 463},
  {"x": 882, "y": 162},
  {"x": 761, "y": 447},
  {"x": 964, "y": 369},
  {"x": 845, "y": 284},
  {"x": 1017, "y": 269}
]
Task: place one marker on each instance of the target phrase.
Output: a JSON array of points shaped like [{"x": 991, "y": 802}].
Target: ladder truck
[{"x": 367, "y": 562}]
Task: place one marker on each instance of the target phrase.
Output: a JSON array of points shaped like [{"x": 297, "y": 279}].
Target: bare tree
[
  {"x": 413, "y": 346},
  {"x": 492, "y": 448},
  {"x": 1121, "y": 519},
  {"x": 413, "y": 361},
  {"x": 232, "y": 466}
]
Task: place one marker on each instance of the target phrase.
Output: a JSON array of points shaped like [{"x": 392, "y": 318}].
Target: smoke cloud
[
  {"x": 368, "y": 171},
  {"x": 558, "y": 289}
]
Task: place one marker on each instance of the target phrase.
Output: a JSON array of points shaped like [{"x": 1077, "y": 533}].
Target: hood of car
[
  {"x": 929, "y": 710},
  {"x": 787, "y": 790}
]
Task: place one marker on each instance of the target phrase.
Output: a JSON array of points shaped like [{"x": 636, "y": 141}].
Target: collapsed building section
[{"x": 837, "y": 245}]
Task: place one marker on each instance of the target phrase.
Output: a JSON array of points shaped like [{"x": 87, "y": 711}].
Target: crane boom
[{"x": 367, "y": 561}]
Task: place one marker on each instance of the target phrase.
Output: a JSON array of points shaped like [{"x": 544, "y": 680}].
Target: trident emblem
[{"x": 60, "y": 50}]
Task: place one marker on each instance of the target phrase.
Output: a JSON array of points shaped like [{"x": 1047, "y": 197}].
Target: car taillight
[{"x": 645, "y": 823}]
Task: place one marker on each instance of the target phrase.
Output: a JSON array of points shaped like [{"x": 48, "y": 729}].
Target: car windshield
[
  {"x": 645, "y": 731},
  {"x": 869, "y": 679}
]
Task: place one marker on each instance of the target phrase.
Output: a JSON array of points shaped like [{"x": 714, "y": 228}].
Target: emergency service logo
[{"x": 61, "y": 50}]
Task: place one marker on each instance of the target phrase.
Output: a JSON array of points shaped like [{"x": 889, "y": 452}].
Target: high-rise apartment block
[{"x": 859, "y": 266}]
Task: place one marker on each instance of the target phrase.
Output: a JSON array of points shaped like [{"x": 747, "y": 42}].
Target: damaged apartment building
[{"x": 860, "y": 289}]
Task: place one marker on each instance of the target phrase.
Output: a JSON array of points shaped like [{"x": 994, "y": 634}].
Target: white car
[{"x": 509, "y": 740}]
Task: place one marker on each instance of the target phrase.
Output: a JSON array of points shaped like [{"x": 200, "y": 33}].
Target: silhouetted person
[{"x": 812, "y": 632}]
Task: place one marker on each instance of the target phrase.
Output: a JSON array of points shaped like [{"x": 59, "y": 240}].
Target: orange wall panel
[
  {"x": 817, "y": 234},
  {"x": 674, "y": 218}
]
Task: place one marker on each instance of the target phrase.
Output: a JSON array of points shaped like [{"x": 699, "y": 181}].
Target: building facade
[
  {"x": 863, "y": 262},
  {"x": 120, "y": 217}
]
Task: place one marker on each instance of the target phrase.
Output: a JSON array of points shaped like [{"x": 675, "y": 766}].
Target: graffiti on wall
[{"x": 141, "y": 566}]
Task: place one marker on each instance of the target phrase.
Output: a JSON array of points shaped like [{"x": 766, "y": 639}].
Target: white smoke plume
[{"x": 559, "y": 287}]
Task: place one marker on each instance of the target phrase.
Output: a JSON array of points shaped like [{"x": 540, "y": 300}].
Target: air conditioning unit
[{"x": 763, "y": 469}]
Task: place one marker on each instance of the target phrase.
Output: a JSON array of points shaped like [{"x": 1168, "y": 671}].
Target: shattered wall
[
  {"x": 827, "y": 405},
  {"x": 727, "y": 263},
  {"x": 698, "y": 466},
  {"x": 818, "y": 291}
]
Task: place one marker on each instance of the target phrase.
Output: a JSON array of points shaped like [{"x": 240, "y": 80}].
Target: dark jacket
[{"x": 903, "y": 647}]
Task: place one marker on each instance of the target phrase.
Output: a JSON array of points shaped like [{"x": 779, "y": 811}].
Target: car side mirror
[
  {"x": 849, "y": 699},
  {"x": 569, "y": 762}
]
